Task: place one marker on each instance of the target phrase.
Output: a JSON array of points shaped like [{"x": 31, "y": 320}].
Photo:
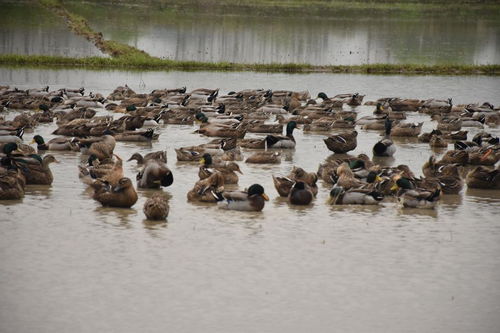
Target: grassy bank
[
  {"x": 141, "y": 63},
  {"x": 321, "y": 8}
]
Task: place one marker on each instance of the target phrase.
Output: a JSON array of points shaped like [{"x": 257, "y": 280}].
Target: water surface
[{"x": 68, "y": 264}]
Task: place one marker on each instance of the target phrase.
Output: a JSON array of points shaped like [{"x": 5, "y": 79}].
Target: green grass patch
[{"x": 140, "y": 62}]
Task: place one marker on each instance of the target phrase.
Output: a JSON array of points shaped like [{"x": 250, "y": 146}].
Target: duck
[
  {"x": 426, "y": 137},
  {"x": 58, "y": 144},
  {"x": 483, "y": 177},
  {"x": 385, "y": 147},
  {"x": 258, "y": 126},
  {"x": 228, "y": 170},
  {"x": 264, "y": 157},
  {"x": 460, "y": 157},
  {"x": 413, "y": 197},
  {"x": 137, "y": 136},
  {"x": 342, "y": 143},
  {"x": 17, "y": 138},
  {"x": 12, "y": 183},
  {"x": 407, "y": 129},
  {"x": 101, "y": 147},
  {"x": 449, "y": 124},
  {"x": 35, "y": 169},
  {"x": 346, "y": 177},
  {"x": 253, "y": 199},
  {"x": 155, "y": 173},
  {"x": 156, "y": 155},
  {"x": 484, "y": 155},
  {"x": 437, "y": 141},
  {"x": 354, "y": 196},
  {"x": 225, "y": 131},
  {"x": 405, "y": 104},
  {"x": 284, "y": 184},
  {"x": 208, "y": 190},
  {"x": 123, "y": 195},
  {"x": 278, "y": 141},
  {"x": 300, "y": 194},
  {"x": 156, "y": 207},
  {"x": 450, "y": 180}
]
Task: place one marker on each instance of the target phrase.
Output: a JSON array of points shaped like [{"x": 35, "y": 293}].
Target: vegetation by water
[{"x": 144, "y": 63}]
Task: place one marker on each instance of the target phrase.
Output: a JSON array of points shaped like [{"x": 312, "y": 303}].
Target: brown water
[{"x": 68, "y": 264}]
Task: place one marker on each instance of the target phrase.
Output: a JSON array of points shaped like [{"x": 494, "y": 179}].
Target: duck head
[{"x": 257, "y": 190}]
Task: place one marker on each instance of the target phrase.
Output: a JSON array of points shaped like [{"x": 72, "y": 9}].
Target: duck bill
[
  {"x": 378, "y": 179},
  {"x": 265, "y": 196},
  {"x": 486, "y": 154},
  {"x": 202, "y": 161},
  {"x": 32, "y": 141},
  {"x": 394, "y": 188}
]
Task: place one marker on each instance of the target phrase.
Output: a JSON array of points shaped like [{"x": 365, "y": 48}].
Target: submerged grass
[{"x": 134, "y": 62}]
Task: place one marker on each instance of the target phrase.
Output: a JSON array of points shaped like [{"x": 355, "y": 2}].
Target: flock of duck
[{"x": 92, "y": 124}]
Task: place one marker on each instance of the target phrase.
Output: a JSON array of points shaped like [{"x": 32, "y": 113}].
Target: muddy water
[{"x": 68, "y": 264}]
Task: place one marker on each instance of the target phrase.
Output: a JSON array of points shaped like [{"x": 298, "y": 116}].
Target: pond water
[
  {"x": 68, "y": 264},
  {"x": 347, "y": 39},
  {"x": 29, "y": 29}
]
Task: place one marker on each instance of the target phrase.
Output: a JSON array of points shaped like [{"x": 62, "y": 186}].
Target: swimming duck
[
  {"x": 346, "y": 177},
  {"x": 460, "y": 157},
  {"x": 258, "y": 126},
  {"x": 252, "y": 199},
  {"x": 106, "y": 170},
  {"x": 154, "y": 174},
  {"x": 101, "y": 147},
  {"x": 225, "y": 131},
  {"x": 228, "y": 170},
  {"x": 265, "y": 157},
  {"x": 208, "y": 189},
  {"x": 385, "y": 147},
  {"x": 354, "y": 196},
  {"x": 156, "y": 155},
  {"x": 483, "y": 177},
  {"x": 484, "y": 155},
  {"x": 300, "y": 194},
  {"x": 156, "y": 207},
  {"x": 122, "y": 195},
  {"x": 342, "y": 143},
  {"x": 450, "y": 180},
  {"x": 58, "y": 144},
  {"x": 449, "y": 124},
  {"x": 426, "y": 137},
  {"x": 437, "y": 141},
  {"x": 284, "y": 184},
  {"x": 17, "y": 138}
]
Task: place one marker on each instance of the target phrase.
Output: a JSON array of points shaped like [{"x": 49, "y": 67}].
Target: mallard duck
[
  {"x": 407, "y": 129},
  {"x": 154, "y": 174},
  {"x": 228, "y": 170},
  {"x": 122, "y": 195},
  {"x": 437, "y": 141},
  {"x": 283, "y": 185},
  {"x": 342, "y": 143},
  {"x": 426, "y": 137},
  {"x": 225, "y": 131},
  {"x": 413, "y": 197},
  {"x": 17, "y": 138},
  {"x": 354, "y": 196},
  {"x": 300, "y": 194},
  {"x": 156, "y": 207},
  {"x": 278, "y": 141},
  {"x": 35, "y": 169},
  {"x": 156, "y": 155},
  {"x": 309, "y": 178},
  {"x": 460, "y": 157},
  {"x": 60, "y": 143},
  {"x": 398, "y": 104},
  {"x": 137, "y": 136},
  {"x": 449, "y": 124},
  {"x": 101, "y": 147},
  {"x": 457, "y": 135},
  {"x": 484, "y": 156},
  {"x": 346, "y": 177},
  {"x": 208, "y": 189},
  {"x": 12, "y": 184},
  {"x": 265, "y": 157},
  {"x": 449, "y": 179},
  {"x": 483, "y": 177},
  {"x": 485, "y": 139},
  {"x": 252, "y": 199},
  {"x": 257, "y": 126},
  {"x": 385, "y": 147}
]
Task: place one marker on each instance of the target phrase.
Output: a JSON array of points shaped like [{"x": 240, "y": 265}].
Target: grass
[{"x": 139, "y": 62}]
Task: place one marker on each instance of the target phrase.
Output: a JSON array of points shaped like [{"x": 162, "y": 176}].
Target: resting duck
[
  {"x": 284, "y": 184},
  {"x": 156, "y": 207},
  {"x": 155, "y": 173},
  {"x": 460, "y": 157},
  {"x": 58, "y": 144},
  {"x": 156, "y": 155},
  {"x": 137, "y": 136},
  {"x": 437, "y": 141},
  {"x": 101, "y": 147},
  {"x": 450, "y": 180},
  {"x": 484, "y": 155},
  {"x": 483, "y": 177},
  {"x": 252, "y": 199},
  {"x": 208, "y": 189},
  {"x": 342, "y": 143},
  {"x": 346, "y": 178},
  {"x": 354, "y": 196},
  {"x": 228, "y": 170},
  {"x": 407, "y": 129},
  {"x": 12, "y": 183},
  {"x": 122, "y": 195},
  {"x": 300, "y": 194},
  {"x": 411, "y": 196},
  {"x": 265, "y": 157},
  {"x": 385, "y": 147}
]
